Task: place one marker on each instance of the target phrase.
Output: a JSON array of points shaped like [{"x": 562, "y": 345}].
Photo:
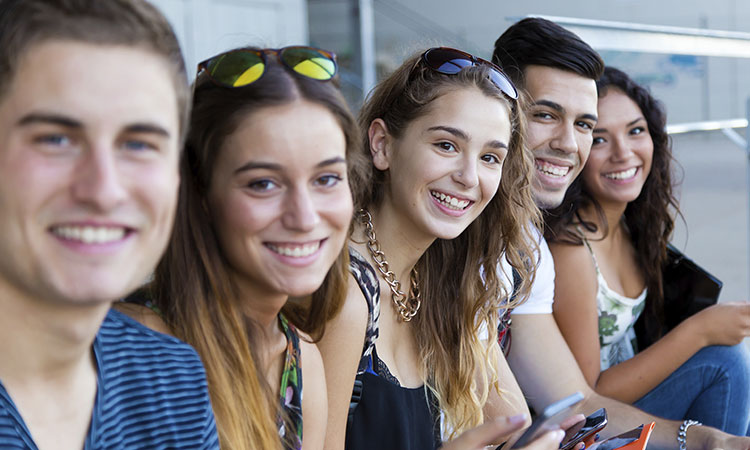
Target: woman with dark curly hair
[{"x": 609, "y": 240}]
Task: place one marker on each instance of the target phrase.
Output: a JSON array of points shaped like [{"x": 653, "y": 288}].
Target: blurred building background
[{"x": 372, "y": 37}]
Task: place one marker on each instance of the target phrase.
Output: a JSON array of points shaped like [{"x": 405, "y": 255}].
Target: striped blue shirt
[{"x": 151, "y": 394}]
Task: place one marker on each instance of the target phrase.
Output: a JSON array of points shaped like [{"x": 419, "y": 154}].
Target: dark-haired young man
[
  {"x": 93, "y": 97},
  {"x": 558, "y": 70}
]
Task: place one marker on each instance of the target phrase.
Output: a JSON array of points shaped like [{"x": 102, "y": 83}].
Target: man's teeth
[
  {"x": 295, "y": 251},
  {"x": 625, "y": 174},
  {"x": 552, "y": 170},
  {"x": 90, "y": 234},
  {"x": 450, "y": 202}
]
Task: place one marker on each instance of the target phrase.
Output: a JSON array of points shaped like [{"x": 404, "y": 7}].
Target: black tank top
[{"x": 383, "y": 414}]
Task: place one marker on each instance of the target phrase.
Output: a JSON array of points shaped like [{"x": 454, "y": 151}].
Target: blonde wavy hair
[{"x": 459, "y": 278}]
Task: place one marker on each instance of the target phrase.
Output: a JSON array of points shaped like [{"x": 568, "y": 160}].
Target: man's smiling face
[{"x": 561, "y": 119}]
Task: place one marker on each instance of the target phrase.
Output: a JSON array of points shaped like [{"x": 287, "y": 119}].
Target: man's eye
[
  {"x": 543, "y": 115},
  {"x": 136, "y": 145},
  {"x": 58, "y": 140}
]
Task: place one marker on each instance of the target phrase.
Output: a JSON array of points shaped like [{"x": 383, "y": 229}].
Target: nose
[
  {"x": 98, "y": 182},
  {"x": 565, "y": 139},
  {"x": 300, "y": 211},
  {"x": 466, "y": 173},
  {"x": 621, "y": 150}
]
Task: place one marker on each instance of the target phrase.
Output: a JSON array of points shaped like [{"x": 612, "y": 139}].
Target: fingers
[
  {"x": 572, "y": 420},
  {"x": 548, "y": 441},
  {"x": 490, "y": 432}
]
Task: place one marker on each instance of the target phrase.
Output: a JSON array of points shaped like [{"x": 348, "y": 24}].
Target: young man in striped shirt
[{"x": 93, "y": 101}]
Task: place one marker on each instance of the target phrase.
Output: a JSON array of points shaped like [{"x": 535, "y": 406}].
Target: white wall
[{"x": 208, "y": 27}]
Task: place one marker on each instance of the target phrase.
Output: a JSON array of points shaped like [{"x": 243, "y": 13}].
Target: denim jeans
[{"x": 712, "y": 387}]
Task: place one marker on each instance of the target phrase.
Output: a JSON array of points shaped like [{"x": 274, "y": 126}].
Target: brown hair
[
  {"x": 541, "y": 42},
  {"x": 192, "y": 285},
  {"x": 136, "y": 23},
  {"x": 458, "y": 297},
  {"x": 649, "y": 218}
]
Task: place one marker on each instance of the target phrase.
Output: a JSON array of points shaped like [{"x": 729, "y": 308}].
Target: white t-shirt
[{"x": 543, "y": 290}]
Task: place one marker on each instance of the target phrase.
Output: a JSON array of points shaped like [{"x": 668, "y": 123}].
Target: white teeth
[
  {"x": 450, "y": 202},
  {"x": 295, "y": 251},
  {"x": 625, "y": 174},
  {"x": 90, "y": 234},
  {"x": 548, "y": 169}
]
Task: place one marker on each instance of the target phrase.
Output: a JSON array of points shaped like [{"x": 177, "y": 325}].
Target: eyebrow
[
  {"x": 147, "y": 128},
  {"x": 255, "y": 165},
  {"x": 454, "y": 131},
  {"x": 460, "y": 134},
  {"x": 559, "y": 108},
  {"x": 629, "y": 124},
  {"x": 52, "y": 119},
  {"x": 67, "y": 122}
]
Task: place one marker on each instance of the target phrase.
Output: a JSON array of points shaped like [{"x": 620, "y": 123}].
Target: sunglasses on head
[
  {"x": 240, "y": 67},
  {"x": 450, "y": 61}
]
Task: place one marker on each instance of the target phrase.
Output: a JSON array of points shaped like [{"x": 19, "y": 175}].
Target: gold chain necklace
[{"x": 407, "y": 307}]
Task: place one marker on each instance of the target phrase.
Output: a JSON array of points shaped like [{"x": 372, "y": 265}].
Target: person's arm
[
  {"x": 575, "y": 307},
  {"x": 500, "y": 429},
  {"x": 723, "y": 324},
  {"x": 341, "y": 349},
  {"x": 547, "y": 371},
  {"x": 509, "y": 402},
  {"x": 314, "y": 398},
  {"x": 575, "y": 311}
]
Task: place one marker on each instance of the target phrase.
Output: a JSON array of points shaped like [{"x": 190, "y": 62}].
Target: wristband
[{"x": 682, "y": 434}]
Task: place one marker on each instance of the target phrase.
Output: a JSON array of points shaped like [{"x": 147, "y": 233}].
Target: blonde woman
[{"x": 450, "y": 194}]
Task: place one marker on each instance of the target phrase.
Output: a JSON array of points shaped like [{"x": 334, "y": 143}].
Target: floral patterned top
[
  {"x": 617, "y": 315},
  {"x": 291, "y": 388}
]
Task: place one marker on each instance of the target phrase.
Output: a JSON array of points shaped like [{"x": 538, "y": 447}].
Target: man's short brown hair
[{"x": 137, "y": 23}]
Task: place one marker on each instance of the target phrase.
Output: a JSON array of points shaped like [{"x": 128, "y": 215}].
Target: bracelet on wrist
[{"x": 682, "y": 433}]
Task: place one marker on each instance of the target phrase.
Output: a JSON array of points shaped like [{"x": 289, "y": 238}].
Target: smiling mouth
[
  {"x": 551, "y": 170},
  {"x": 90, "y": 234},
  {"x": 622, "y": 175},
  {"x": 451, "y": 202},
  {"x": 295, "y": 250}
]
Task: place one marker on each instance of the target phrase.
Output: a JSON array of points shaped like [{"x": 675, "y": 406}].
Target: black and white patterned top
[{"x": 368, "y": 282}]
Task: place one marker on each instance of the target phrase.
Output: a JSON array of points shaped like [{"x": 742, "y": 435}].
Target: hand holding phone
[
  {"x": 589, "y": 427},
  {"x": 549, "y": 419}
]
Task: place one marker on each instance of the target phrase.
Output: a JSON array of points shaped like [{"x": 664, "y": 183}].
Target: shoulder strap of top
[
  {"x": 588, "y": 246},
  {"x": 291, "y": 385},
  {"x": 368, "y": 282}
]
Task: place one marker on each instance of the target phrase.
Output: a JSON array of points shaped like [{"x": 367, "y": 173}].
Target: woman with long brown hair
[
  {"x": 264, "y": 210},
  {"x": 449, "y": 197},
  {"x": 609, "y": 240}
]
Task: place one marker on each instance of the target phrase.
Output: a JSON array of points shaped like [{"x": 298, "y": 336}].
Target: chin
[{"x": 303, "y": 287}]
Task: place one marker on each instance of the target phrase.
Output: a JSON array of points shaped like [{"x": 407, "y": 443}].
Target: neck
[
  {"x": 401, "y": 246},
  {"x": 42, "y": 341},
  {"x": 613, "y": 213},
  {"x": 259, "y": 305}
]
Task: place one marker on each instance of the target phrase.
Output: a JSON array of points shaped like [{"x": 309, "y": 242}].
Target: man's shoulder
[
  {"x": 120, "y": 328},
  {"x": 150, "y": 382},
  {"x": 127, "y": 348}
]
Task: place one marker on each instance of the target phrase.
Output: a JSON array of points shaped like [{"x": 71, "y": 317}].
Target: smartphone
[
  {"x": 549, "y": 419},
  {"x": 592, "y": 425}
]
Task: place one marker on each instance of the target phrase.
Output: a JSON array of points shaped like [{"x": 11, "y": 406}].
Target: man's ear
[{"x": 380, "y": 144}]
